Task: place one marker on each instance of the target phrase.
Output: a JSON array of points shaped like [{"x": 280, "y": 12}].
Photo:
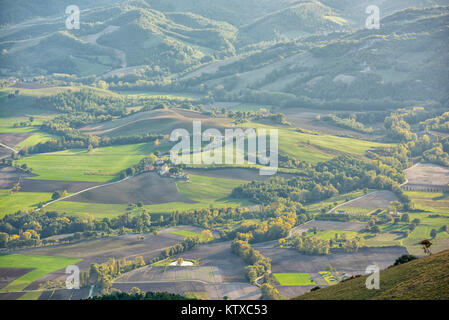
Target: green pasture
[
  {"x": 294, "y": 279},
  {"x": 99, "y": 165}
]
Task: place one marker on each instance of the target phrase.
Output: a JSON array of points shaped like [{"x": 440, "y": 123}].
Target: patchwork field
[
  {"x": 290, "y": 261},
  {"x": 199, "y": 192},
  {"x": 220, "y": 273},
  {"x": 100, "y": 250},
  {"x": 432, "y": 211},
  {"x": 41, "y": 266}
]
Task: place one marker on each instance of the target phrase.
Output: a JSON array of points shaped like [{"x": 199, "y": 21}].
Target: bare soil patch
[
  {"x": 329, "y": 225},
  {"x": 13, "y": 139},
  {"x": 234, "y": 291},
  {"x": 9, "y": 176},
  {"x": 148, "y": 188},
  {"x": 427, "y": 173},
  {"x": 32, "y": 185},
  {"x": 376, "y": 200},
  {"x": 8, "y": 275}
]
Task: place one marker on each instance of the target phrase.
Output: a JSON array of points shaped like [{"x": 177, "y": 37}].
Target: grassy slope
[
  {"x": 100, "y": 165},
  {"x": 425, "y": 278},
  {"x": 314, "y": 148},
  {"x": 11, "y": 203}
]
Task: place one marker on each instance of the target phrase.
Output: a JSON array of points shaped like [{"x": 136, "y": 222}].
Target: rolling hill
[{"x": 421, "y": 279}]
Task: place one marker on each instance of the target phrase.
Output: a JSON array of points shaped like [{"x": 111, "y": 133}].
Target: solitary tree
[{"x": 426, "y": 244}]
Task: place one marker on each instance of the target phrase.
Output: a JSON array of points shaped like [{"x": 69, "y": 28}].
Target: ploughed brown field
[
  {"x": 8, "y": 275},
  {"x": 427, "y": 173},
  {"x": 148, "y": 188}
]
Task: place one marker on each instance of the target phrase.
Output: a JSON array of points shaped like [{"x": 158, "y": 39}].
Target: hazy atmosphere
[{"x": 251, "y": 150}]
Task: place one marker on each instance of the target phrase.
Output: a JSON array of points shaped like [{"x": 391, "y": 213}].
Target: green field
[
  {"x": 314, "y": 148},
  {"x": 42, "y": 265},
  {"x": 294, "y": 279},
  {"x": 186, "y": 233},
  {"x": 38, "y": 137},
  {"x": 428, "y": 205},
  {"x": 99, "y": 165},
  {"x": 11, "y": 203}
]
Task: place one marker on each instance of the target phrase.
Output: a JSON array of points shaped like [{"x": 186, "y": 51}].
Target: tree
[
  {"x": 404, "y": 258},
  {"x": 426, "y": 244},
  {"x": 433, "y": 233},
  {"x": 135, "y": 290},
  {"x": 405, "y": 217},
  {"x": 206, "y": 235},
  {"x": 56, "y": 195},
  {"x": 4, "y": 237}
]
